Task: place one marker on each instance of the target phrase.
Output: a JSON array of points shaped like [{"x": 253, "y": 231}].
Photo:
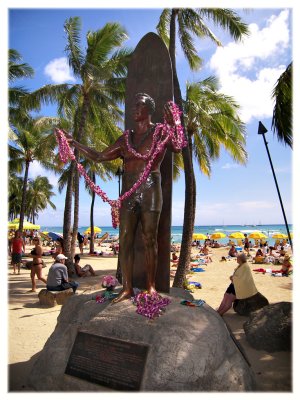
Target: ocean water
[{"x": 176, "y": 231}]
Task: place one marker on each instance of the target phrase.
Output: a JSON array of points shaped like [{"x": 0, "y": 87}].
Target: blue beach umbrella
[{"x": 54, "y": 235}]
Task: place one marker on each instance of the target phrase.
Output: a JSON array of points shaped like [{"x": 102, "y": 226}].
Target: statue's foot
[
  {"x": 124, "y": 295},
  {"x": 151, "y": 290}
]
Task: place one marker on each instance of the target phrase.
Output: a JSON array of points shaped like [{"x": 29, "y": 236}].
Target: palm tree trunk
[
  {"x": 188, "y": 222},
  {"x": 85, "y": 107},
  {"x": 23, "y": 201},
  {"x": 92, "y": 249},
  {"x": 68, "y": 213},
  {"x": 76, "y": 208}
]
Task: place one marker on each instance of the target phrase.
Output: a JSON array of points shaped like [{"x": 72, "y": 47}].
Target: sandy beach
[{"x": 30, "y": 324}]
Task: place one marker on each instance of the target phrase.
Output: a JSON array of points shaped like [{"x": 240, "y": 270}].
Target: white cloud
[
  {"x": 59, "y": 71},
  {"x": 36, "y": 169},
  {"x": 229, "y": 166},
  {"x": 248, "y": 70}
]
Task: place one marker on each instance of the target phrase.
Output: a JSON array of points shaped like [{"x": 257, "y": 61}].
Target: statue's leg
[
  {"x": 150, "y": 213},
  {"x": 128, "y": 226},
  {"x": 150, "y": 220}
]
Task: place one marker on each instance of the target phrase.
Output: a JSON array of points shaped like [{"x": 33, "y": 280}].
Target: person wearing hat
[{"x": 57, "y": 279}]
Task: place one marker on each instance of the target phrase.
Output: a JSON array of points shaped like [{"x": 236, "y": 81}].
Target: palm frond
[
  {"x": 282, "y": 112},
  {"x": 75, "y": 56},
  {"x": 227, "y": 19},
  {"x": 163, "y": 26}
]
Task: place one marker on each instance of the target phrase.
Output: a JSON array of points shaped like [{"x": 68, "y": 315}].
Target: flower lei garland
[
  {"x": 108, "y": 282},
  {"x": 150, "y": 305},
  {"x": 107, "y": 295},
  {"x": 165, "y": 131}
]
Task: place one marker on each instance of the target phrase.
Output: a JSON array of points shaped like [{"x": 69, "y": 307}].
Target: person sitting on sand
[
  {"x": 282, "y": 252},
  {"x": 259, "y": 253},
  {"x": 232, "y": 251},
  {"x": 286, "y": 266},
  {"x": 84, "y": 271}
]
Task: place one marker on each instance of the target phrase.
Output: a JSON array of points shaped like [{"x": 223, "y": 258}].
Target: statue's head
[{"x": 149, "y": 102}]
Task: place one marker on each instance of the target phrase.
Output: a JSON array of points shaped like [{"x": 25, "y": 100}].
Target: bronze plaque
[
  {"x": 150, "y": 71},
  {"x": 109, "y": 362}
]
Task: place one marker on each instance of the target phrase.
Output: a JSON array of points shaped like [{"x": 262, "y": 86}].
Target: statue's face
[{"x": 140, "y": 109}]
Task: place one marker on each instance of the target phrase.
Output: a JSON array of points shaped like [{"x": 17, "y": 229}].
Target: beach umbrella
[
  {"x": 199, "y": 236},
  {"x": 55, "y": 235},
  {"x": 257, "y": 235},
  {"x": 279, "y": 236},
  {"x": 26, "y": 225},
  {"x": 96, "y": 230},
  {"x": 218, "y": 235},
  {"x": 12, "y": 225},
  {"x": 236, "y": 235}
]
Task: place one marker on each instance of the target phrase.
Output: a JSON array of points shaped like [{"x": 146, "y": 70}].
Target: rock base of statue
[{"x": 185, "y": 349}]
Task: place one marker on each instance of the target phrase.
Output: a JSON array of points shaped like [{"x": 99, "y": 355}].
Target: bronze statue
[{"x": 145, "y": 203}]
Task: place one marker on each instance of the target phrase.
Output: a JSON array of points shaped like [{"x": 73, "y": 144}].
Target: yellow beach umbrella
[
  {"x": 26, "y": 225},
  {"x": 257, "y": 235},
  {"x": 12, "y": 225},
  {"x": 96, "y": 230},
  {"x": 236, "y": 235},
  {"x": 218, "y": 235},
  {"x": 279, "y": 236},
  {"x": 199, "y": 236}
]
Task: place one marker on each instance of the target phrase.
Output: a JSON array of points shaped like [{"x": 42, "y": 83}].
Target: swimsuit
[{"x": 148, "y": 197}]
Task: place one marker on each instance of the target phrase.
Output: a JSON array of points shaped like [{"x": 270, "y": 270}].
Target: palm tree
[
  {"x": 38, "y": 197},
  {"x": 17, "y": 70},
  {"x": 282, "y": 112},
  {"x": 212, "y": 122},
  {"x": 14, "y": 195},
  {"x": 101, "y": 70},
  {"x": 28, "y": 142},
  {"x": 190, "y": 25}
]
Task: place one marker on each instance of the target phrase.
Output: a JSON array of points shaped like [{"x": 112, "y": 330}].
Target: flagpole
[{"x": 261, "y": 131}]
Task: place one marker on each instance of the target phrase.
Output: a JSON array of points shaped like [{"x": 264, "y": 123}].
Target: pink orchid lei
[
  {"x": 150, "y": 305},
  {"x": 109, "y": 281},
  {"x": 166, "y": 132}
]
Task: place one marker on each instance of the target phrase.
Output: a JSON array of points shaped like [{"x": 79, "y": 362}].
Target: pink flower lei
[{"x": 163, "y": 134}]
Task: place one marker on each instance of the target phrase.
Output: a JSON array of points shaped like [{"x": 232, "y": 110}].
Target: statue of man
[{"x": 145, "y": 204}]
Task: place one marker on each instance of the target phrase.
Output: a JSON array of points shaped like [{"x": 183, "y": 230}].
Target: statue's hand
[
  {"x": 168, "y": 115},
  {"x": 69, "y": 137}
]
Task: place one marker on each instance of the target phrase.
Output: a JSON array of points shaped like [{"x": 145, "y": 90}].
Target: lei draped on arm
[{"x": 163, "y": 134}]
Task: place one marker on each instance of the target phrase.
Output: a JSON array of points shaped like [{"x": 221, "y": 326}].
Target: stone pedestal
[
  {"x": 190, "y": 348},
  {"x": 51, "y": 298}
]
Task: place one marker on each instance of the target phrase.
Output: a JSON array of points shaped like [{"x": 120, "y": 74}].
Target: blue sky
[{"x": 247, "y": 71}]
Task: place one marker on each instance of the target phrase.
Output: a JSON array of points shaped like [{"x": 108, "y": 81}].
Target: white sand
[{"x": 30, "y": 325}]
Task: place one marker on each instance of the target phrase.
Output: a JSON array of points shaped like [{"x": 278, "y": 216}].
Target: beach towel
[
  {"x": 199, "y": 269},
  {"x": 192, "y": 285},
  {"x": 192, "y": 303}
]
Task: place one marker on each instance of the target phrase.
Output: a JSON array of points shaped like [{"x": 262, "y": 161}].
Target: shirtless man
[{"x": 146, "y": 203}]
